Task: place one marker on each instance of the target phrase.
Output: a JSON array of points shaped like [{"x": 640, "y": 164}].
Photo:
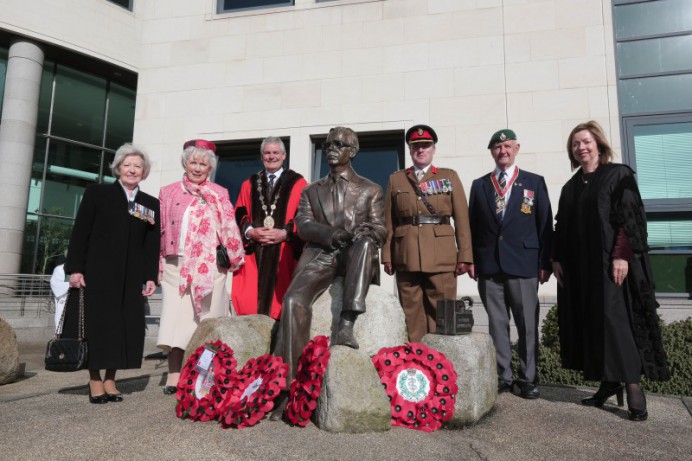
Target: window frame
[{"x": 279, "y": 4}]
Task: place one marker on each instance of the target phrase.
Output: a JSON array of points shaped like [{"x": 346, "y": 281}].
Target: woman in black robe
[
  {"x": 607, "y": 317},
  {"x": 113, "y": 255}
]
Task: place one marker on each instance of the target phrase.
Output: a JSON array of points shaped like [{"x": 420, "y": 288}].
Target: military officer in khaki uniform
[{"x": 428, "y": 235}]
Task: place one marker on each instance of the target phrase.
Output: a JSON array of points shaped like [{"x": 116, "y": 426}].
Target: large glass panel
[
  {"x": 379, "y": 156},
  {"x": 375, "y": 164},
  {"x": 670, "y": 234},
  {"x": 79, "y": 107},
  {"x": 3, "y": 72},
  {"x": 664, "y": 160},
  {"x": 656, "y": 94},
  {"x": 652, "y": 18},
  {"x": 231, "y": 172},
  {"x": 44, "y": 97},
  {"x": 127, "y": 4},
  {"x": 235, "y": 5},
  {"x": 668, "y": 54},
  {"x": 672, "y": 273},
  {"x": 121, "y": 116}
]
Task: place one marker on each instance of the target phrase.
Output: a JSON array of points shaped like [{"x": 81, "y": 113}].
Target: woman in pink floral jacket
[{"x": 196, "y": 216}]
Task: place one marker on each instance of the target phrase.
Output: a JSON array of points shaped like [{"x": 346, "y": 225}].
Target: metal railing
[{"x": 25, "y": 294}]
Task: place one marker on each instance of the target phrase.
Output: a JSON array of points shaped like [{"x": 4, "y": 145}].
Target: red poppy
[
  {"x": 201, "y": 394},
  {"x": 307, "y": 385},
  {"x": 421, "y": 384},
  {"x": 255, "y": 388}
]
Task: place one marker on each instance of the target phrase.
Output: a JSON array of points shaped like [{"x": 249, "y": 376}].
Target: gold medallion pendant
[{"x": 269, "y": 222}]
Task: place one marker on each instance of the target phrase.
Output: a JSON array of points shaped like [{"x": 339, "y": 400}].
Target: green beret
[{"x": 502, "y": 136}]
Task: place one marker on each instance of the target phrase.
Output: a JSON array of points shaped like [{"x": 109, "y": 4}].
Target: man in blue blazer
[{"x": 511, "y": 230}]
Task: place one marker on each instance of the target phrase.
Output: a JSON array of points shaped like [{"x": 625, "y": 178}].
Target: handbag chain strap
[{"x": 80, "y": 328}]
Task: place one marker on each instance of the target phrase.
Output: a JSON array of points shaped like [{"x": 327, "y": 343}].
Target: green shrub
[{"x": 677, "y": 340}]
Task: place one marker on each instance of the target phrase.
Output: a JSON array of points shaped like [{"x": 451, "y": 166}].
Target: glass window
[
  {"x": 238, "y": 160},
  {"x": 224, "y": 6},
  {"x": 656, "y": 94},
  {"x": 3, "y": 72},
  {"x": 672, "y": 273},
  {"x": 127, "y": 4},
  {"x": 379, "y": 156},
  {"x": 652, "y": 18},
  {"x": 663, "y": 155},
  {"x": 121, "y": 115},
  {"x": 666, "y": 54},
  {"x": 79, "y": 106}
]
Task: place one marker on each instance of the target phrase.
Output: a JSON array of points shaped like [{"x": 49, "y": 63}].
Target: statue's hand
[{"x": 341, "y": 239}]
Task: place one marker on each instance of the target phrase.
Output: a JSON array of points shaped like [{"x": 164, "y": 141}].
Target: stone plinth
[
  {"x": 9, "y": 354},
  {"x": 248, "y": 335},
  {"x": 382, "y": 325},
  {"x": 473, "y": 357},
  {"x": 352, "y": 399}
]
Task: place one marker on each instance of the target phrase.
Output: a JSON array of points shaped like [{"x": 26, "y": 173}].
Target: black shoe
[
  {"x": 528, "y": 391},
  {"x": 635, "y": 396},
  {"x": 114, "y": 397},
  {"x": 98, "y": 399},
  {"x": 170, "y": 390},
  {"x": 504, "y": 386},
  {"x": 344, "y": 334},
  {"x": 606, "y": 390}
]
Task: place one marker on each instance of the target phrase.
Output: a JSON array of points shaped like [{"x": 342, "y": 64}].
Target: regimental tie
[
  {"x": 502, "y": 186},
  {"x": 419, "y": 175}
]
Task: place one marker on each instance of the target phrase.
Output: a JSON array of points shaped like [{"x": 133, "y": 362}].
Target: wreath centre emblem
[{"x": 412, "y": 385}]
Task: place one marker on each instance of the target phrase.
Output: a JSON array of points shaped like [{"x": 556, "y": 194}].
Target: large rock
[
  {"x": 248, "y": 335},
  {"x": 9, "y": 354},
  {"x": 352, "y": 399},
  {"x": 473, "y": 357},
  {"x": 382, "y": 325}
]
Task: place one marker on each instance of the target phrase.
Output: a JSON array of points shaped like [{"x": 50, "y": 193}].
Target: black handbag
[
  {"x": 222, "y": 259},
  {"x": 68, "y": 354}
]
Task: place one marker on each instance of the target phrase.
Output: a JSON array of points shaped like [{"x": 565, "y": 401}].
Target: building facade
[{"x": 159, "y": 72}]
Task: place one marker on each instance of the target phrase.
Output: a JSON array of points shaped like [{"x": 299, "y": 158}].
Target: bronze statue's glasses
[{"x": 336, "y": 144}]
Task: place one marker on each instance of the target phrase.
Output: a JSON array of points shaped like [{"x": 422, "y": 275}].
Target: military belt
[{"x": 424, "y": 219}]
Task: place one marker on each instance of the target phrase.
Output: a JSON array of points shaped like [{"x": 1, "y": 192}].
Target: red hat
[
  {"x": 201, "y": 143},
  {"x": 421, "y": 133}
]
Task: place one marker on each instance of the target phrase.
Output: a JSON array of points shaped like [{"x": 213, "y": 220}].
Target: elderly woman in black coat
[
  {"x": 606, "y": 302},
  {"x": 113, "y": 256}
]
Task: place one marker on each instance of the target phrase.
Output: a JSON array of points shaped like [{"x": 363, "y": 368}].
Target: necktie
[
  {"x": 503, "y": 183},
  {"x": 338, "y": 199},
  {"x": 420, "y": 174},
  {"x": 271, "y": 182}
]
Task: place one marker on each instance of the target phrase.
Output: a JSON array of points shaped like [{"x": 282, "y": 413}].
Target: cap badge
[
  {"x": 420, "y": 131},
  {"x": 503, "y": 137}
]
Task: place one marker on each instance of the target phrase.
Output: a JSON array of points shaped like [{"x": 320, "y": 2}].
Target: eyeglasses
[{"x": 336, "y": 144}]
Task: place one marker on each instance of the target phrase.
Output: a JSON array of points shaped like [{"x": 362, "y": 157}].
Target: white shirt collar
[
  {"x": 276, "y": 174},
  {"x": 424, "y": 170},
  {"x": 127, "y": 193},
  {"x": 509, "y": 171}
]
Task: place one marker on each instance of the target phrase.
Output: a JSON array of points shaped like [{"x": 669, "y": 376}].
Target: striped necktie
[
  {"x": 271, "y": 182},
  {"x": 503, "y": 181}
]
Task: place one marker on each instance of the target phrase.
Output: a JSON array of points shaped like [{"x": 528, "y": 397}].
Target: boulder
[
  {"x": 382, "y": 324},
  {"x": 248, "y": 335},
  {"x": 9, "y": 354},
  {"x": 473, "y": 357},
  {"x": 352, "y": 399}
]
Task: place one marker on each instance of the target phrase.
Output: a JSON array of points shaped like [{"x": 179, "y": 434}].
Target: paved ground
[{"x": 47, "y": 416}]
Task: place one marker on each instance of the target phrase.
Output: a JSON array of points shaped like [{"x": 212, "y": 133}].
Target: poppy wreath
[
  {"x": 307, "y": 386},
  {"x": 421, "y": 384},
  {"x": 199, "y": 396},
  {"x": 256, "y": 387}
]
